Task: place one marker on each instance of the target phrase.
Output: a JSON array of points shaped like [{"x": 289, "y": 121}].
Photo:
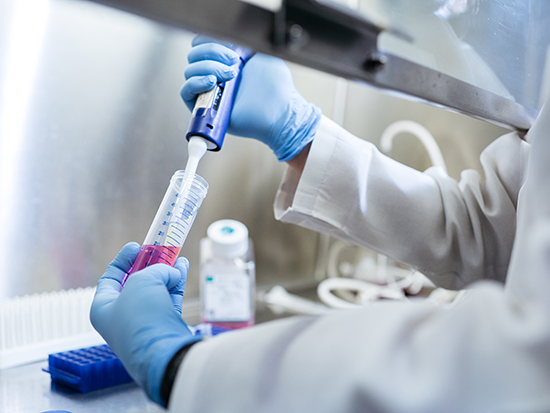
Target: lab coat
[{"x": 488, "y": 353}]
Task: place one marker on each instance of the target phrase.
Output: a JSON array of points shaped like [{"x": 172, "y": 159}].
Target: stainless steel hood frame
[{"x": 326, "y": 37}]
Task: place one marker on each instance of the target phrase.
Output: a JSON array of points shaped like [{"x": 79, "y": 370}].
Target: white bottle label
[{"x": 227, "y": 297}]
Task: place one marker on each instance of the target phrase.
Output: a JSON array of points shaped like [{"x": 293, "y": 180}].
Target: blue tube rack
[{"x": 87, "y": 369}]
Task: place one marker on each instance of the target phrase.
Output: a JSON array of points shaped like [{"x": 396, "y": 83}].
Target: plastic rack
[{"x": 87, "y": 369}]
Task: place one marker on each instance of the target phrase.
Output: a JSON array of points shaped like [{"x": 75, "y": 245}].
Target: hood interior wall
[{"x": 104, "y": 130}]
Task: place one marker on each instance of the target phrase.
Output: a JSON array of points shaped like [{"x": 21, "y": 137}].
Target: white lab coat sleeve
[
  {"x": 529, "y": 275},
  {"x": 488, "y": 353},
  {"x": 453, "y": 232}
]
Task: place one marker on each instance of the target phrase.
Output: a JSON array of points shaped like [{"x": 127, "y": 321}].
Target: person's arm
[
  {"x": 337, "y": 184},
  {"x": 454, "y": 232},
  {"x": 529, "y": 276},
  {"x": 488, "y": 353}
]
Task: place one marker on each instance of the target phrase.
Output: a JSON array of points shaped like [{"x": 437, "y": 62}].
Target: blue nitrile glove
[
  {"x": 267, "y": 107},
  {"x": 142, "y": 323}
]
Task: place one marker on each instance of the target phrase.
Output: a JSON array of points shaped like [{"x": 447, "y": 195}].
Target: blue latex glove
[
  {"x": 142, "y": 323},
  {"x": 267, "y": 107}
]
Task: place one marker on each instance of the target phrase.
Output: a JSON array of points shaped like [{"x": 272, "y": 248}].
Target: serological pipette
[{"x": 182, "y": 200}]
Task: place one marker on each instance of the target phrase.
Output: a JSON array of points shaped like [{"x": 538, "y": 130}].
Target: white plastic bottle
[{"x": 227, "y": 276}]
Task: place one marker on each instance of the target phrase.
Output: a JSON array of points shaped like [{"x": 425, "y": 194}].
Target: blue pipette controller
[{"x": 212, "y": 110}]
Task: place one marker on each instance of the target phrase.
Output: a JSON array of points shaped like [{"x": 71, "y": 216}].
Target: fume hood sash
[{"x": 326, "y": 36}]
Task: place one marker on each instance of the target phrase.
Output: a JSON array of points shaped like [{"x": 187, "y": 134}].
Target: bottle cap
[{"x": 229, "y": 238}]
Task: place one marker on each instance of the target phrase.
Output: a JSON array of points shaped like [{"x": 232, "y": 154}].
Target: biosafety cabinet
[{"x": 92, "y": 125}]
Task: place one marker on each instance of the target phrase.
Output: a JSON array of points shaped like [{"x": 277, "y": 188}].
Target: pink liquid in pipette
[{"x": 153, "y": 254}]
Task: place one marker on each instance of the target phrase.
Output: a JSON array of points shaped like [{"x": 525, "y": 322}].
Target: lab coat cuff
[
  {"x": 304, "y": 199},
  {"x": 297, "y": 192}
]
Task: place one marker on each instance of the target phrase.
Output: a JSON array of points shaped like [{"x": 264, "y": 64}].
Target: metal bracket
[
  {"x": 326, "y": 36},
  {"x": 300, "y": 22}
]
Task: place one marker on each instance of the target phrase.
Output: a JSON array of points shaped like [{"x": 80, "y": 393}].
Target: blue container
[{"x": 87, "y": 369}]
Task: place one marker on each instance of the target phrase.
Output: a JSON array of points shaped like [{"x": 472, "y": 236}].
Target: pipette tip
[{"x": 196, "y": 150}]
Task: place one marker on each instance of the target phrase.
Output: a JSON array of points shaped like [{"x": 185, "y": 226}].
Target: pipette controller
[{"x": 212, "y": 110}]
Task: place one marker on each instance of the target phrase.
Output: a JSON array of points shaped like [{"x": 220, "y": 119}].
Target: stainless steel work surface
[{"x": 27, "y": 389}]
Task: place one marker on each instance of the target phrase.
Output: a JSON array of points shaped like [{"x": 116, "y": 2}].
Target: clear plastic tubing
[{"x": 172, "y": 222}]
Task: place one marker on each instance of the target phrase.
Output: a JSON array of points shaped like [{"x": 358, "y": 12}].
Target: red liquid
[
  {"x": 232, "y": 325},
  {"x": 153, "y": 254}
]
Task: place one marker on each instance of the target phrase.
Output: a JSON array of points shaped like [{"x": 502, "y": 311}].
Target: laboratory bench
[{"x": 27, "y": 389}]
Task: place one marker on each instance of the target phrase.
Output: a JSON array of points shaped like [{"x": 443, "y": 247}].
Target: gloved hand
[
  {"x": 267, "y": 106},
  {"x": 142, "y": 323}
]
